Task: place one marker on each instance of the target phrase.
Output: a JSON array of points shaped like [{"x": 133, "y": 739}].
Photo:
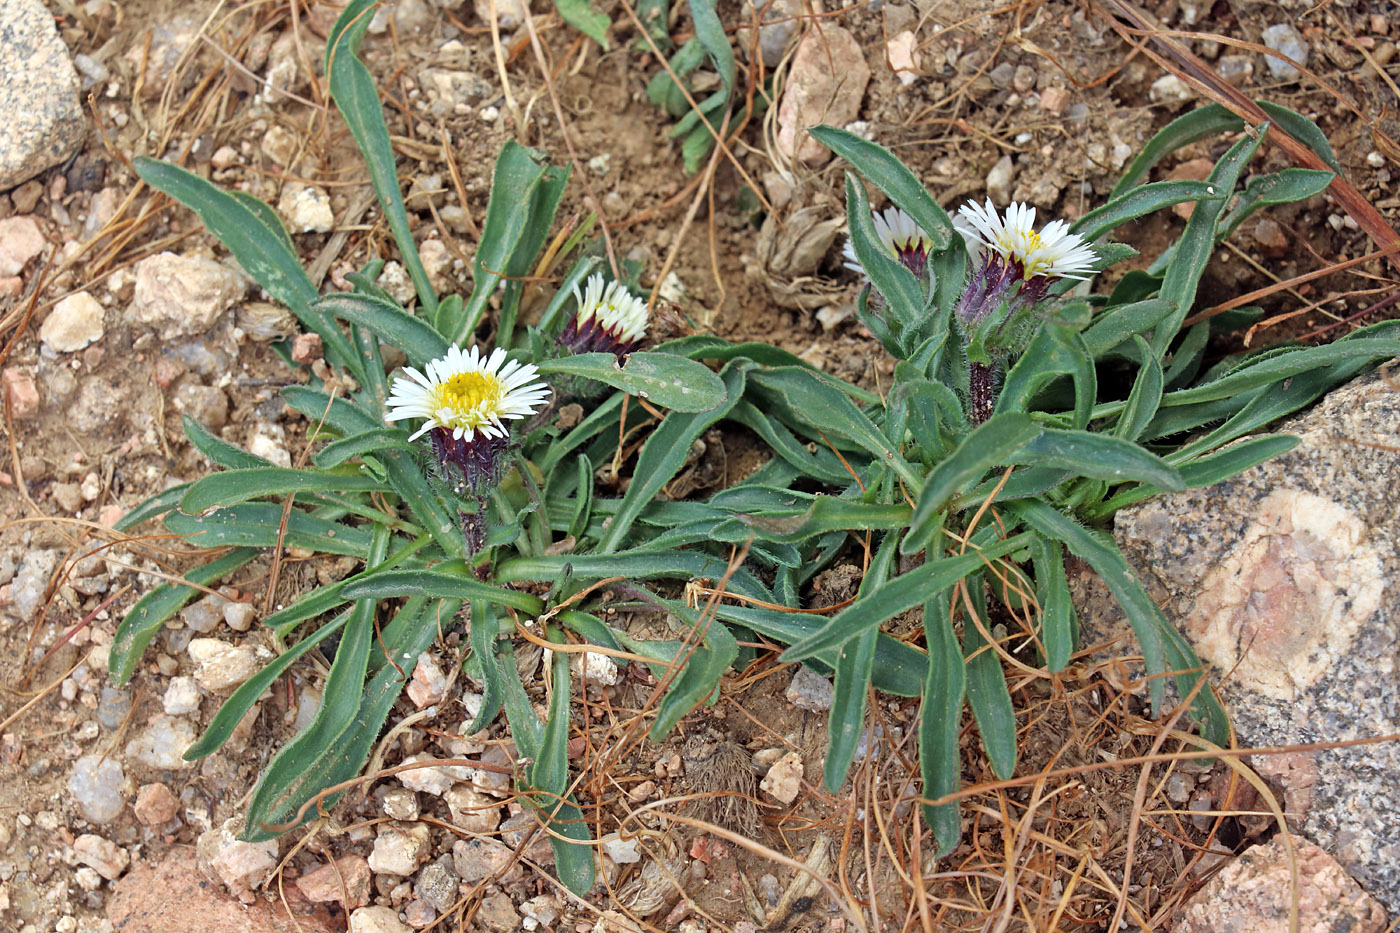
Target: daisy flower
[
  {"x": 465, "y": 394},
  {"x": 608, "y": 320},
  {"x": 465, "y": 401},
  {"x": 1051, "y": 253},
  {"x": 905, "y": 240}
]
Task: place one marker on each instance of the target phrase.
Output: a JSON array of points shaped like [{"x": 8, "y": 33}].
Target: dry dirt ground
[{"x": 1049, "y": 86}]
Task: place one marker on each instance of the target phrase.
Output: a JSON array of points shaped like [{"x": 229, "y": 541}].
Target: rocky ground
[{"x": 119, "y": 315}]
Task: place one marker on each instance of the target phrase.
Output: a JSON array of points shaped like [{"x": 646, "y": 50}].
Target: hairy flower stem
[{"x": 982, "y": 392}]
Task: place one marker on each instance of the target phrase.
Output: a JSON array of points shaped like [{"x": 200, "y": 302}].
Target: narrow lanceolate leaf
[
  {"x": 855, "y": 663},
  {"x": 262, "y": 254},
  {"x": 1186, "y": 129},
  {"x": 1207, "y": 470},
  {"x": 352, "y": 88},
  {"x": 1283, "y": 366},
  {"x": 153, "y": 507},
  {"x": 898, "y": 595},
  {"x": 664, "y": 379},
  {"x": 219, "y": 451},
  {"x": 513, "y": 182},
  {"x": 706, "y": 656},
  {"x": 1163, "y": 647},
  {"x": 220, "y": 490},
  {"x": 1139, "y": 202},
  {"x": 357, "y": 445},
  {"x": 145, "y": 618},
  {"x": 414, "y": 336},
  {"x": 257, "y": 524},
  {"x": 886, "y": 172},
  {"x": 1098, "y": 456},
  {"x": 991, "y": 444},
  {"x": 987, "y": 694},
  {"x": 1057, "y": 623},
  {"x": 821, "y": 404},
  {"x": 328, "y": 762},
  {"x": 1145, "y": 397},
  {"x": 549, "y": 777},
  {"x": 455, "y": 585},
  {"x": 241, "y": 700},
  {"x": 1197, "y": 242},
  {"x": 940, "y": 721},
  {"x": 664, "y": 454}
]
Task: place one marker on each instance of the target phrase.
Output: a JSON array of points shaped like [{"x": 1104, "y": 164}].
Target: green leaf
[
  {"x": 637, "y": 564},
  {"x": 815, "y": 400},
  {"x": 884, "y": 170},
  {"x": 904, "y": 298},
  {"x": 664, "y": 379},
  {"x": 265, "y": 256},
  {"x": 991, "y": 444},
  {"x": 432, "y": 583},
  {"x": 1304, "y": 130},
  {"x": 1193, "y": 250},
  {"x": 415, "y": 337},
  {"x": 291, "y": 779},
  {"x": 241, "y": 700},
  {"x": 581, "y": 15},
  {"x": 1055, "y": 350},
  {"x": 1162, "y": 645},
  {"x": 483, "y": 630},
  {"x": 664, "y": 454},
  {"x": 357, "y": 445},
  {"x": 352, "y": 89},
  {"x": 517, "y": 172},
  {"x": 1283, "y": 366},
  {"x": 899, "y": 595},
  {"x": 987, "y": 694},
  {"x": 940, "y": 722},
  {"x": 549, "y": 777},
  {"x": 1282, "y": 187},
  {"x": 1190, "y": 127},
  {"x": 220, "y": 490},
  {"x": 1057, "y": 621},
  {"x": 1139, "y": 202},
  {"x": 1123, "y": 322},
  {"x": 255, "y": 524},
  {"x": 219, "y": 451},
  {"x": 1098, "y": 456},
  {"x": 705, "y": 661},
  {"x": 855, "y": 663},
  {"x": 146, "y": 618},
  {"x": 1145, "y": 397},
  {"x": 1207, "y": 470},
  {"x": 340, "y": 415},
  {"x": 157, "y": 505}
]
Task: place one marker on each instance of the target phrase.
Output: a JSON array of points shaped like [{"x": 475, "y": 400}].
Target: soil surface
[{"x": 1049, "y": 90}]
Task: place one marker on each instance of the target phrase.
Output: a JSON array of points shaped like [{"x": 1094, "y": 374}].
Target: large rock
[
  {"x": 825, "y": 85},
  {"x": 1285, "y": 578},
  {"x": 41, "y": 120},
  {"x": 182, "y": 295},
  {"x": 1253, "y": 893}
]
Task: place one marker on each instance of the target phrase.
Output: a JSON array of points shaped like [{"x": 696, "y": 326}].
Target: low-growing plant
[{"x": 1023, "y": 412}]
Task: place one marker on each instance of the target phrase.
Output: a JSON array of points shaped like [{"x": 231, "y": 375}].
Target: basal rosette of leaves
[{"x": 909, "y": 479}]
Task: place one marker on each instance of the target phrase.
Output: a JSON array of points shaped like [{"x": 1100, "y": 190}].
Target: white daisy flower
[
  {"x": 608, "y": 319},
  {"x": 467, "y": 394},
  {"x": 1053, "y": 252},
  {"x": 906, "y": 241}
]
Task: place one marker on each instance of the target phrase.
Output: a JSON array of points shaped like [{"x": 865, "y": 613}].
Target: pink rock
[
  {"x": 102, "y": 855},
  {"x": 155, "y": 805},
  {"x": 428, "y": 684},
  {"x": 306, "y": 347},
  {"x": 175, "y": 895},
  {"x": 346, "y": 882},
  {"x": 24, "y": 394},
  {"x": 825, "y": 85},
  {"x": 20, "y": 241},
  {"x": 1252, "y": 893}
]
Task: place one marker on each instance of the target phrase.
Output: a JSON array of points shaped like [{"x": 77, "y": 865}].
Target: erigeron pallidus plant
[{"x": 963, "y": 489}]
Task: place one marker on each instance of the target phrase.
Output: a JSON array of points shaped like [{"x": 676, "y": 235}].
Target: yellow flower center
[{"x": 467, "y": 393}]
